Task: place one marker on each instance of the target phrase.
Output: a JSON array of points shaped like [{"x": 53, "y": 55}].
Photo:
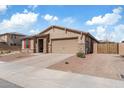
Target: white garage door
[{"x": 65, "y": 46}]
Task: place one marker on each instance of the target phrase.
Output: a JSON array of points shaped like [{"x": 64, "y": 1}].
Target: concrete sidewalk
[
  {"x": 7, "y": 84},
  {"x": 46, "y": 78}
]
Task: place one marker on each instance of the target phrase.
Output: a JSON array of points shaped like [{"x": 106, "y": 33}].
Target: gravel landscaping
[{"x": 101, "y": 65}]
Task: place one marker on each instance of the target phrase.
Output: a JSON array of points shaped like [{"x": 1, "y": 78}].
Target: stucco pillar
[
  {"x": 81, "y": 43},
  {"x": 37, "y": 49},
  {"x": 50, "y": 47},
  {"x": 32, "y": 45},
  {"x": 121, "y": 49},
  {"x": 22, "y": 44},
  {"x": 44, "y": 45},
  {"x": 95, "y": 48}
]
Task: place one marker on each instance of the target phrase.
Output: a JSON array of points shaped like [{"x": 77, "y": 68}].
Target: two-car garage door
[{"x": 65, "y": 45}]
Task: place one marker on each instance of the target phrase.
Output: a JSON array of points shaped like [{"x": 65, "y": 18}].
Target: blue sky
[{"x": 104, "y": 22}]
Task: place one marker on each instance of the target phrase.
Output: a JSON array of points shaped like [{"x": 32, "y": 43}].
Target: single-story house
[
  {"x": 11, "y": 38},
  {"x": 57, "y": 39}
]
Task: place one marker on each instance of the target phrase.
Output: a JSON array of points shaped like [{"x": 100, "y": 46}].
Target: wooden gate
[{"x": 107, "y": 48}]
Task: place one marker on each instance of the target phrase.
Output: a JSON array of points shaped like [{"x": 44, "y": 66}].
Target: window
[
  {"x": 87, "y": 47},
  {"x": 27, "y": 43},
  {"x": 15, "y": 36},
  {"x": 11, "y": 44},
  {"x": 11, "y": 36}
]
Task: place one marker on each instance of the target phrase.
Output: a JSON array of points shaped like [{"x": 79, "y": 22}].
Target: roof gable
[
  {"x": 69, "y": 29},
  {"x": 13, "y": 33},
  {"x": 63, "y": 28}
]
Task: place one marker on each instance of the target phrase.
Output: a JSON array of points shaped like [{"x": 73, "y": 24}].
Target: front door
[{"x": 40, "y": 45}]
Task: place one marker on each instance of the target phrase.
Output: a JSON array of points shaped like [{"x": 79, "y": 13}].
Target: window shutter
[
  {"x": 26, "y": 43},
  {"x": 29, "y": 43}
]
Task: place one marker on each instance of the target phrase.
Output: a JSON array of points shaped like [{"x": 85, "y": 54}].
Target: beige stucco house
[
  {"x": 57, "y": 39},
  {"x": 12, "y": 38}
]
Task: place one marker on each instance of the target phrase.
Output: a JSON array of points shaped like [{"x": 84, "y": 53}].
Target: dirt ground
[
  {"x": 101, "y": 65},
  {"x": 13, "y": 57}
]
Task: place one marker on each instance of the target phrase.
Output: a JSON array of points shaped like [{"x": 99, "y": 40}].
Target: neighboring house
[
  {"x": 56, "y": 39},
  {"x": 12, "y": 38}
]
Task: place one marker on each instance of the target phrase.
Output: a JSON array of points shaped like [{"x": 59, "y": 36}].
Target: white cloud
[
  {"x": 118, "y": 33},
  {"x": 108, "y": 28},
  {"x": 18, "y": 21},
  {"x": 118, "y": 10},
  {"x": 3, "y": 8},
  {"x": 33, "y": 7},
  {"x": 34, "y": 31},
  {"x": 100, "y": 33},
  {"x": 91, "y": 30},
  {"x": 25, "y": 11},
  {"x": 107, "y": 19},
  {"x": 69, "y": 20},
  {"x": 50, "y": 18}
]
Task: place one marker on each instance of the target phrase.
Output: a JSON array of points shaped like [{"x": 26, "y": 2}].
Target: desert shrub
[
  {"x": 1, "y": 52},
  {"x": 81, "y": 54},
  {"x": 8, "y": 51},
  {"x": 66, "y": 62}
]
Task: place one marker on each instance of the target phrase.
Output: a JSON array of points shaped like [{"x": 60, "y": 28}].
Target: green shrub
[{"x": 81, "y": 54}]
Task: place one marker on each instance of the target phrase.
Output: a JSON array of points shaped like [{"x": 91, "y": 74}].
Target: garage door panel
[{"x": 65, "y": 46}]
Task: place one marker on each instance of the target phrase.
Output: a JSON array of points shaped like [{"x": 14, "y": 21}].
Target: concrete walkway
[{"x": 32, "y": 72}]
